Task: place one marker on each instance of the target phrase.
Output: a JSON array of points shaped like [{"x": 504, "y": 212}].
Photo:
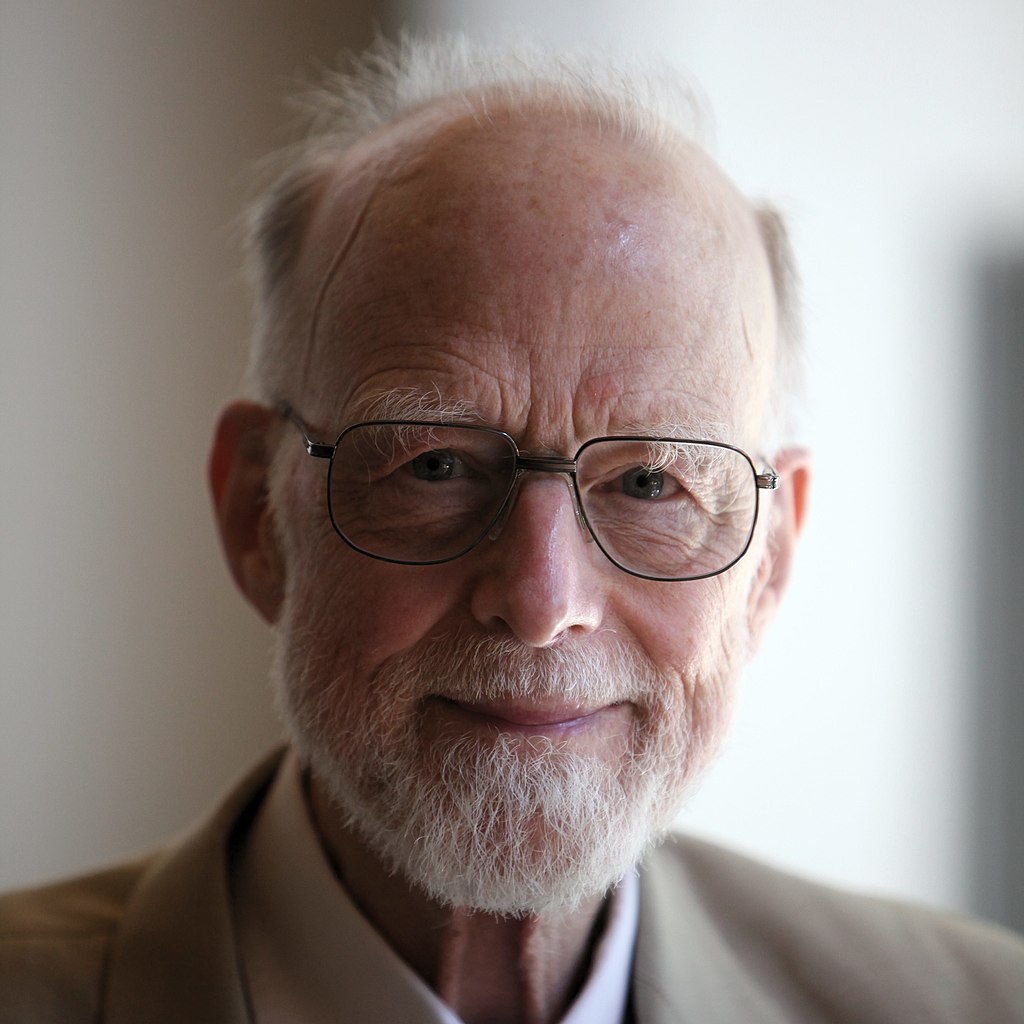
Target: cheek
[
  {"x": 696, "y": 636},
  {"x": 362, "y": 611},
  {"x": 683, "y": 626}
]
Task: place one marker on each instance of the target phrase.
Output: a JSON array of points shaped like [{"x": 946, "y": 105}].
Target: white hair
[{"x": 649, "y": 105}]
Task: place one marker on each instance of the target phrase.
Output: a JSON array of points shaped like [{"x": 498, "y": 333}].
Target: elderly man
[{"x": 514, "y": 489}]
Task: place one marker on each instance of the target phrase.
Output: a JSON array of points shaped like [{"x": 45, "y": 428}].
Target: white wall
[
  {"x": 131, "y": 677},
  {"x": 892, "y": 133}
]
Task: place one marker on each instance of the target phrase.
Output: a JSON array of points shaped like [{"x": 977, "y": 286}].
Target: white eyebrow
[
  {"x": 690, "y": 428},
  {"x": 414, "y": 404},
  {"x": 410, "y": 403}
]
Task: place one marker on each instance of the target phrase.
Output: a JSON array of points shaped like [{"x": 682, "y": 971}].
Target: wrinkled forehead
[
  {"x": 538, "y": 218},
  {"x": 482, "y": 181}
]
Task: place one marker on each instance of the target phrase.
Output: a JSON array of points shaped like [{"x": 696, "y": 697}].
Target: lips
[{"x": 526, "y": 716}]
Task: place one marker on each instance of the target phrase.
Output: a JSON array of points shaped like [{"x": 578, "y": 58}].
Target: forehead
[{"x": 560, "y": 280}]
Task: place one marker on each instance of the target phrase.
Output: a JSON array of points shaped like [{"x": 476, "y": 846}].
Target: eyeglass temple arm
[
  {"x": 315, "y": 448},
  {"x": 768, "y": 480}
]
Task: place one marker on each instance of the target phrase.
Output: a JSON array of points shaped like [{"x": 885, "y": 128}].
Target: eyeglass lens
[{"x": 424, "y": 493}]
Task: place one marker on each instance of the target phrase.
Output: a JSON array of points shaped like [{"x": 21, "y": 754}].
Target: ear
[
  {"x": 238, "y": 473},
  {"x": 787, "y": 508}
]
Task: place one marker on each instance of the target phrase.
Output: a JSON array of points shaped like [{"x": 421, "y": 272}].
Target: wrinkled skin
[{"x": 567, "y": 285}]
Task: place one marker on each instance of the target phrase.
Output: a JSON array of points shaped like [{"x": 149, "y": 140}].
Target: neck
[{"x": 487, "y": 968}]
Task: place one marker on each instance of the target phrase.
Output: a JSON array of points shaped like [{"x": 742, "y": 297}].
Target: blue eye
[
  {"x": 435, "y": 465},
  {"x": 643, "y": 483}
]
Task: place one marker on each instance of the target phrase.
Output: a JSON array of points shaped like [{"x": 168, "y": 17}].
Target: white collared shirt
[{"x": 308, "y": 955}]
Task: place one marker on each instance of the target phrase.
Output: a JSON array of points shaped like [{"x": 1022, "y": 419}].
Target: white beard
[{"x": 510, "y": 825}]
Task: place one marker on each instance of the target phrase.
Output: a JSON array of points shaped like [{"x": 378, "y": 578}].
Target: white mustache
[{"x": 466, "y": 668}]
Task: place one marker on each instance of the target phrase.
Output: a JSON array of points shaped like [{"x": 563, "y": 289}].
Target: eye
[
  {"x": 642, "y": 482},
  {"x": 436, "y": 465}
]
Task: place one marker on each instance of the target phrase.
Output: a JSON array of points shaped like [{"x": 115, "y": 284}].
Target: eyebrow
[
  {"x": 687, "y": 427},
  {"x": 416, "y": 404},
  {"x": 410, "y": 403}
]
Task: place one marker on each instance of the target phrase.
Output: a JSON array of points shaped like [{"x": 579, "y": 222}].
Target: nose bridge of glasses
[
  {"x": 546, "y": 463},
  {"x": 540, "y": 464}
]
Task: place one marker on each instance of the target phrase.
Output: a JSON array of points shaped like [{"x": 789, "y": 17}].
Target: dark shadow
[{"x": 997, "y": 648}]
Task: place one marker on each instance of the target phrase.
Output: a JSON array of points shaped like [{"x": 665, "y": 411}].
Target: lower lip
[{"x": 524, "y": 723}]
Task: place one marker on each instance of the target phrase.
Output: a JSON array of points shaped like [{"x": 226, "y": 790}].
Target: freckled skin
[
  {"x": 483, "y": 271},
  {"x": 570, "y": 286}
]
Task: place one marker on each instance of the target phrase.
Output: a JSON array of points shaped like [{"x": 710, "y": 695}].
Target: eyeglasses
[{"x": 417, "y": 492}]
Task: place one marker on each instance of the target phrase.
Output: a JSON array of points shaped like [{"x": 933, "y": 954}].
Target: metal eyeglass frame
[{"x": 767, "y": 480}]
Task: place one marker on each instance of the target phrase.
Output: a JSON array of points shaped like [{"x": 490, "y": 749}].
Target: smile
[{"x": 528, "y": 717}]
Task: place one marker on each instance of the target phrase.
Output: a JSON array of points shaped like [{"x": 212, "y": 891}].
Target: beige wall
[{"x": 132, "y": 679}]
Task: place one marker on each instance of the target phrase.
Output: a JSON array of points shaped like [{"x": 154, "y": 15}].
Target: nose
[{"x": 537, "y": 577}]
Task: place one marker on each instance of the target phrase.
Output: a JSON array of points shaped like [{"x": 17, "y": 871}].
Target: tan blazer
[{"x": 722, "y": 940}]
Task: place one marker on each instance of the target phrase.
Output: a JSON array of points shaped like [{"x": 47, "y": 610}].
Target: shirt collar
[{"x": 307, "y": 951}]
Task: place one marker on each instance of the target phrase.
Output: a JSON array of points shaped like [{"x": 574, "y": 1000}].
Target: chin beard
[{"x": 508, "y": 825}]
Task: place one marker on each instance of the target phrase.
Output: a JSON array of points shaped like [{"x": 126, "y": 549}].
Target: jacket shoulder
[
  {"x": 54, "y": 945},
  {"x": 842, "y": 957}
]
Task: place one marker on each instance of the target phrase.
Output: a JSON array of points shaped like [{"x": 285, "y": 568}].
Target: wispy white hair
[{"x": 651, "y": 105}]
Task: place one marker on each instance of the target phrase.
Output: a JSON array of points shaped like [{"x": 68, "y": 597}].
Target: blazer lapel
[
  {"x": 684, "y": 971},
  {"x": 174, "y": 957}
]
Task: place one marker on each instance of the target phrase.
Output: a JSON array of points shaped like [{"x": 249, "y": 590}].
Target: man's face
[{"x": 511, "y": 728}]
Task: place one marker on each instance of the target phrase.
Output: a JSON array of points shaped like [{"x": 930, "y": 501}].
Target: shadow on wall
[
  {"x": 997, "y": 655},
  {"x": 131, "y": 675}
]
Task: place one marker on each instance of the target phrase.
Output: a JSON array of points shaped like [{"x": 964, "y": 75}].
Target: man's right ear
[{"x": 238, "y": 472}]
